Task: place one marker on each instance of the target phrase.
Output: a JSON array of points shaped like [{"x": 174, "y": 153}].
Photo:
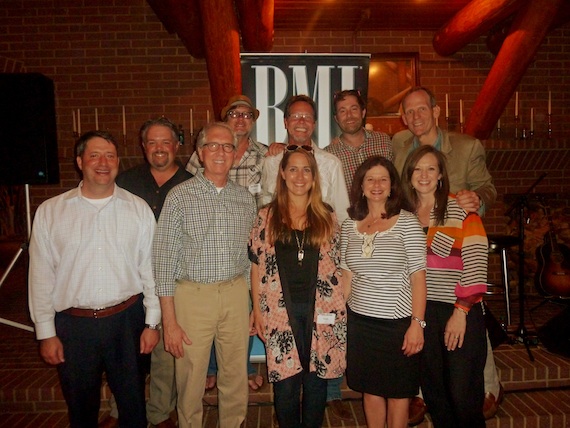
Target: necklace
[
  {"x": 301, "y": 246},
  {"x": 383, "y": 216}
]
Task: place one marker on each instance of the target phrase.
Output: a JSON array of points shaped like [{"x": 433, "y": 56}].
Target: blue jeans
[
  {"x": 291, "y": 411},
  {"x": 333, "y": 389}
]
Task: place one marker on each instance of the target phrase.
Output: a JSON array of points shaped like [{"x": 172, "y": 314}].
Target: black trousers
[
  {"x": 93, "y": 346},
  {"x": 452, "y": 381},
  {"x": 300, "y": 400}
]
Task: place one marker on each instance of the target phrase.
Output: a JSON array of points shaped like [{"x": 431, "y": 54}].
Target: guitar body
[{"x": 553, "y": 273}]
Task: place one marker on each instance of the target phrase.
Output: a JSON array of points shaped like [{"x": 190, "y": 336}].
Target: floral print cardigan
[{"x": 328, "y": 343}]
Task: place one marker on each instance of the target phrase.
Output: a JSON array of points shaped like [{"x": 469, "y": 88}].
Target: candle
[
  {"x": 531, "y": 119},
  {"x": 74, "y": 122},
  {"x": 96, "y": 119},
  {"x": 460, "y": 111},
  {"x": 124, "y": 122},
  {"x": 79, "y": 121},
  {"x": 191, "y": 122},
  {"x": 549, "y": 102},
  {"x": 499, "y": 123},
  {"x": 446, "y": 106},
  {"x": 207, "y": 116},
  {"x": 516, "y": 103}
]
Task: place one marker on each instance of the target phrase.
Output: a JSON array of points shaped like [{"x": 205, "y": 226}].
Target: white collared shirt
[
  {"x": 333, "y": 185},
  {"x": 92, "y": 257}
]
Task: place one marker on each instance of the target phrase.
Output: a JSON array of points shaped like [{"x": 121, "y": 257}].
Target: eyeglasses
[
  {"x": 214, "y": 147},
  {"x": 294, "y": 147},
  {"x": 305, "y": 116},
  {"x": 235, "y": 114}
]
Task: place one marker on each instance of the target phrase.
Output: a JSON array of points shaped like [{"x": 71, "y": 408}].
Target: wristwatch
[
  {"x": 422, "y": 322},
  {"x": 152, "y": 326}
]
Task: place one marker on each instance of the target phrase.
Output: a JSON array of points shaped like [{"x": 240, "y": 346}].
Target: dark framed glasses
[
  {"x": 235, "y": 114},
  {"x": 294, "y": 147}
]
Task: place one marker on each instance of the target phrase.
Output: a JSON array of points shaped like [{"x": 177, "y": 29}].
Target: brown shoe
[
  {"x": 109, "y": 422},
  {"x": 168, "y": 423},
  {"x": 338, "y": 409},
  {"x": 417, "y": 411},
  {"x": 490, "y": 405}
]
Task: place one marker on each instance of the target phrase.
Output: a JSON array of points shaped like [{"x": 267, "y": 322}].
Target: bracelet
[{"x": 461, "y": 309}]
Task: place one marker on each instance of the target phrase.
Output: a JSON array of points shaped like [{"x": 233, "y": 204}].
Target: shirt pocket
[{"x": 442, "y": 244}]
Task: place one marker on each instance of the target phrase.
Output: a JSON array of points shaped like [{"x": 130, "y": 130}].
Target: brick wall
[{"x": 106, "y": 54}]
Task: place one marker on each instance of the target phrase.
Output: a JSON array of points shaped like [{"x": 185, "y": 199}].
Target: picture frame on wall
[{"x": 390, "y": 76}]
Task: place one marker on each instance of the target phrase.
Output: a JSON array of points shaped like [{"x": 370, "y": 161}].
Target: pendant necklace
[
  {"x": 383, "y": 216},
  {"x": 301, "y": 251}
]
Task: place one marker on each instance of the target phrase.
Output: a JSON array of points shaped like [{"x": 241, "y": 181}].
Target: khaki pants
[
  {"x": 162, "y": 399},
  {"x": 218, "y": 313}
]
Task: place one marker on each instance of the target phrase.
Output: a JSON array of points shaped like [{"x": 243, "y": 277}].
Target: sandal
[{"x": 255, "y": 381}]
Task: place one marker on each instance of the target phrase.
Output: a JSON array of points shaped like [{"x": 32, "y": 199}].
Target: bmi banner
[{"x": 270, "y": 79}]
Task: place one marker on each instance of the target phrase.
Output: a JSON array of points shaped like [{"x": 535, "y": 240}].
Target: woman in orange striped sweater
[{"x": 453, "y": 358}]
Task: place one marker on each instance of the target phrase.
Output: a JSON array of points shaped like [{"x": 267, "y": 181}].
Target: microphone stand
[{"x": 522, "y": 203}]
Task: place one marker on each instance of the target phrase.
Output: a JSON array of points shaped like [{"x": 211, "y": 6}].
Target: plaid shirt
[
  {"x": 375, "y": 143},
  {"x": 247, "y": 173},
  {"x": 202, "y": 234}
]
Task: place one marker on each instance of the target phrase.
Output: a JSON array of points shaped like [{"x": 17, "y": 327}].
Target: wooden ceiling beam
[
  {"x": 221, "y": 38},
  {"x": 256, "y": 22},
  {"x": 474, "y": 20},
  {"x": 183, "y": 18},
  {"x": 526, "y": 34}
]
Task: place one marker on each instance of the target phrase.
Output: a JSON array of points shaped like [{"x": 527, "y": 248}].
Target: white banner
[{"x": 270, "y": 79}]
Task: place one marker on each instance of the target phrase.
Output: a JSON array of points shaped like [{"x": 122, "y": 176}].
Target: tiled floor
[{"x": 537, "y": 391}]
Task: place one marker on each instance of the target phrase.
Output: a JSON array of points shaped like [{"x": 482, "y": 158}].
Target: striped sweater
[{"x": 457, "y": 253}]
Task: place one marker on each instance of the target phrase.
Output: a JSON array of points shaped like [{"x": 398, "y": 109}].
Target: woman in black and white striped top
[{"x": 383, "y": 260}]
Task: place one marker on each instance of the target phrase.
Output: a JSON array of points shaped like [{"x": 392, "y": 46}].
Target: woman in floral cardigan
[{"x": 298, "y": 303}]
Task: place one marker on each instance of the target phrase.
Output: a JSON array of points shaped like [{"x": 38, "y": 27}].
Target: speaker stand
[{"x": 23, "y": 247}]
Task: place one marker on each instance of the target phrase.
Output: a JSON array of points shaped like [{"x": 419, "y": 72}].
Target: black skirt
[{"x": 376, "y": 363}]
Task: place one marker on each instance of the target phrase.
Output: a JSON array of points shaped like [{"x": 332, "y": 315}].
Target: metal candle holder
[{"x": 549, "y": 115}]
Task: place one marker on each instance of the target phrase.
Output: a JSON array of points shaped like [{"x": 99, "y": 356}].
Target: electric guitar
[{"x": 553, "y": 271}]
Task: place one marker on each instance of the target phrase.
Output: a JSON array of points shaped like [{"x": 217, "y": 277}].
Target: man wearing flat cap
[{"x": 240, "y": 114}]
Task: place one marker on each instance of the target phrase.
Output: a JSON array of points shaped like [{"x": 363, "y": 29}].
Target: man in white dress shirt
[
  {"x": 91, "y": 290},
  {"x": 300, "y": 122}
]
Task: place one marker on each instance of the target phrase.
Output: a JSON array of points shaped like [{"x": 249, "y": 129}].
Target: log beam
[
  {"x": 183, "y": 18},
  {"x": 474, "y": 20},
  {"x": 256, "y": 24},
  {"x": 221, "y": 37},
  {"x": 519, "y": 48}
]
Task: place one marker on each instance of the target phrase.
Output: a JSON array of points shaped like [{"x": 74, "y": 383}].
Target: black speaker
[
  {"x": 28, "y": 135},
  {"x": 555, "y": 334}
]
